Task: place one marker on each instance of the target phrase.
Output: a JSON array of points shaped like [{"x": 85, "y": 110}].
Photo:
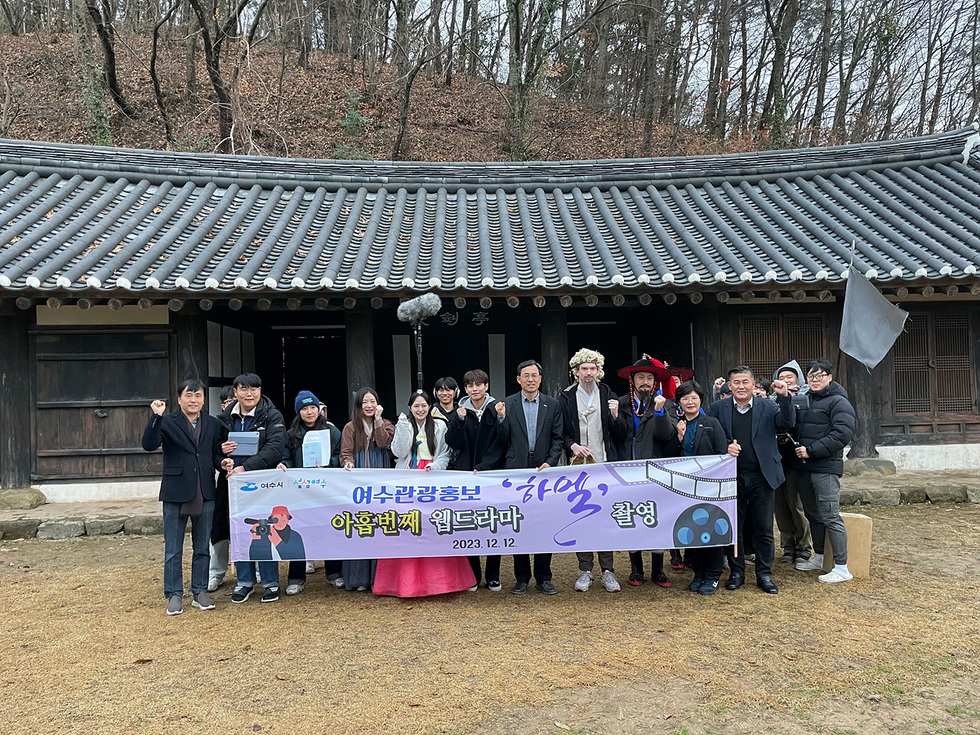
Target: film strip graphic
[{"x": 687, "y": 476}]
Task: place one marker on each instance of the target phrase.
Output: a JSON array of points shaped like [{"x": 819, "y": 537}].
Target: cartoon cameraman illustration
[{"x": 274, "y": 539}]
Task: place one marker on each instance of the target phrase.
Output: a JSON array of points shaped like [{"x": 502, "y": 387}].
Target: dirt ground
[{"x": 86, "y": 648}]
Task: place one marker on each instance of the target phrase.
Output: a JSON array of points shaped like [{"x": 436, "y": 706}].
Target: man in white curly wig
[{"x": 594, "y": 431}]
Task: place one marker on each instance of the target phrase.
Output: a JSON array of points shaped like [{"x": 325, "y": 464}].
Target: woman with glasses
[{"x": 420, "y": 444}]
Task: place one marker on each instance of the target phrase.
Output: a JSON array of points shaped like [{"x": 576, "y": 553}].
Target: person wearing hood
[
  {"x": 794, "y": 529},
  {"x": 824, "y": 428},
  {"x": 253, "y": 412},
  {"x": 472, "y": 433}
]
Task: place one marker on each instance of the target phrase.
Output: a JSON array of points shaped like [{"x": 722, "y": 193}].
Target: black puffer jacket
[
  {"x": 824, "y": 429},
  {"x": 271, "y": 427}
]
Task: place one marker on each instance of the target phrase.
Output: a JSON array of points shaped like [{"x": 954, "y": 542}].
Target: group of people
[{"x": 789, "y": 449}]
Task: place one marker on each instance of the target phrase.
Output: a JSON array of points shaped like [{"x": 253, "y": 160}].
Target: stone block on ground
[
  {"x": 19, "y": 528},
  {"x": 103, "y": 526},
  {"x": 851, "y": 495},
  {"x": 859, "y": 528},
  {"x": 25, "y": 498},
  {"x": 863, "y": 466},
  {"x": 913, "y": 494},
  {"x": 881, "y": 496},
  {"x": 61, "y": 529},
  {"x": 973, "y": 493},
  {"x": 943, "y": 493},
  {"x": 144, "y": 525}
]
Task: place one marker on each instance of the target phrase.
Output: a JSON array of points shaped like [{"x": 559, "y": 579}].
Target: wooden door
[{"x": 92, "y": 394}]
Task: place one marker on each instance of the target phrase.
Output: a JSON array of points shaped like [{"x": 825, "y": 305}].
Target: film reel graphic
[{"x": 702, "y": 525}]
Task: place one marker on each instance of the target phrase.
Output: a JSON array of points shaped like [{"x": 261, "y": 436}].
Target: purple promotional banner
[{"x": 679, "y": 502}]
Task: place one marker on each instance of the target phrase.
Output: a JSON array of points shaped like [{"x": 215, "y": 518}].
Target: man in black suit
[
  {"x": 191, "y": 454},
  {"x": 750, "y": 426},
  {"x": 531, "y": 432}
]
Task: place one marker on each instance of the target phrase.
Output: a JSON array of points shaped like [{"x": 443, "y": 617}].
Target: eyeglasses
[
  {"x": 247, "y": 391},
  {"x": 817, "y": 376}
]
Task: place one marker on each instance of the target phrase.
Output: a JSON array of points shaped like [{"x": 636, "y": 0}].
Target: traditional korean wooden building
[{"x": 123, "y": 271}]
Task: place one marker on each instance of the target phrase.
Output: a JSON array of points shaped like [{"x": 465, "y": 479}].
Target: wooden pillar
[
  {"x": 15, "y": 398},
  {"x": 359, "y": 323},
  {"x": 708, "y": 358},
  {"x": 862, "y": 390},
  {"x": 192, "y": 345},
  {"x": 554, "y": 351}
]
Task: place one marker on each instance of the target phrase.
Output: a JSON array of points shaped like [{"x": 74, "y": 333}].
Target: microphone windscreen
[{"x": 419, "y": 308}]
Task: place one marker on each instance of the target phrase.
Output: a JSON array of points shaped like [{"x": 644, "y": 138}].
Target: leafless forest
[{"x": 665, "y": 76}]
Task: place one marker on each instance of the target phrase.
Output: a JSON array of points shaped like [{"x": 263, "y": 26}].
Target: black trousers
[
  {"x": 493, "y": 568},
  {"x": 707, "y": 562},
  {"x": 755, "y": 515},
  {"x": 221, "y": 526},
  {"x": 542, "y": 567}
]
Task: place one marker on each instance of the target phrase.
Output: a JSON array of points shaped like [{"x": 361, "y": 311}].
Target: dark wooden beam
[
  {"x": 539, "y": 301},
  {"x": 460, "y": 302},
  {"x": 554, "y": 350},
  {"x": 670, "y": 299},
  {"x": 293, "y": 304},
  {"x": 263, "y": 304},
  {"x": 486, "y": 302},
  {"x": 861, "y": 389},
  {"x": 513, "y": 302},
  {"x": 565, "y": 301},
  {"x": 24, "y": 303},
  {"x": 145, "y": 304},
  {"x": 15, "y": 400},
  {"x": 591, "y": 300},
  {"x": 192, "y": 348},
  {"x": 176, "y": 304},
  {"x": 722, "y": 297},
  {"x": 53, "y": 303},
  {"x": 360, "y": 351},
  {"x": 321, "y": 303},
  {"x": 645, "y": 299},
  {"x": 618, "y": 299}
]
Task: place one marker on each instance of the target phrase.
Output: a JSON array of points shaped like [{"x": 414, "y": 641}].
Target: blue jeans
[
  {"x": 245, "y": 571},
  {"x": 174, "y": 525}
]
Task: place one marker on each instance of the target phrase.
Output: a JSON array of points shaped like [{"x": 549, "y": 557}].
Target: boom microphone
[{"x": 421, "y": 307}]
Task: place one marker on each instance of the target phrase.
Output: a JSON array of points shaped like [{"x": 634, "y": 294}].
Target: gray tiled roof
[{"x": 79, "y": 218}]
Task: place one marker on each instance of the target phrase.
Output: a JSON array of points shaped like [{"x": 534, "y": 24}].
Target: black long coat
[{"x": 183, "y": 461}]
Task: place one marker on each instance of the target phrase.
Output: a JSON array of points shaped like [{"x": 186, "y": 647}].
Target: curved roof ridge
[{"x": 156, "y": 166}]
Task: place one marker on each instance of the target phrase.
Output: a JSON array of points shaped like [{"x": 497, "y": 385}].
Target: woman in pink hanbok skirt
[{"x": 420, "y": 443}]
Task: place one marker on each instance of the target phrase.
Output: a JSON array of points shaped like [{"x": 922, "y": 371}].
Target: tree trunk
[{"x": 102, "y": 20}]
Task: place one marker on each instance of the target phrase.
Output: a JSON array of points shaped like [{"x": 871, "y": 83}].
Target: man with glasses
[
  {"x": 823, "y": 429},
  {"x": 253, "y": 412}
]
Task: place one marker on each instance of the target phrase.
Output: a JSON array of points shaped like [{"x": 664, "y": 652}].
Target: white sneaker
[
  {"x": 610, "y": 582},
  {"x": 584, "y": 582},
  {"x": 311, "y": 567},
  {"x": 294, "y": 589},
  {"x": 835, "y": 577},
  {"x": 339, "y": 582},
  {"x": 474, "y": 588},
  {"x": 214, "y": 583},
  {"x": 808, "y": 566}
]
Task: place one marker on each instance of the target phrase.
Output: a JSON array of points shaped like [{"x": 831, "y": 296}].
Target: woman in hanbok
[
  {"x": 364, "y": 442},
  {"x": 420, "y": 443}
]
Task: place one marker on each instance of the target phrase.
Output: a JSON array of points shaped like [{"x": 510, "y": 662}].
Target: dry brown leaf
[
  {"x": 142, "y": 660},
  {"x": 669, "y": 715}
]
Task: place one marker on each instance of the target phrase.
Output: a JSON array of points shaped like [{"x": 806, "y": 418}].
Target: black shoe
[
  {"x": 271, "y": 595},
  {"x": 787, "y": 558},
  {"x": 695, "y": 584},
  {"x": 547, "y": 588},
  {"x": 708, "y": 587},
  {"x": 767, "y": 585},
  {"x": 520, "y": 588},
  {"x": 735, "y": 581},
  {"x": 241, "y": 593}
]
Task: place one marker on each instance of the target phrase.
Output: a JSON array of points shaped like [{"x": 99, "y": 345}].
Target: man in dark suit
[
  {"x": 531, "y": 432},
  {"x": 191, "y": 454},
  {"x": 750, "y": 426}
]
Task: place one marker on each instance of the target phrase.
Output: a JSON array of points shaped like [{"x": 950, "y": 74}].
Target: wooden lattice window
[
  {"x": 932, "y": 371},
  {"x": 768, "y": 341}
]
